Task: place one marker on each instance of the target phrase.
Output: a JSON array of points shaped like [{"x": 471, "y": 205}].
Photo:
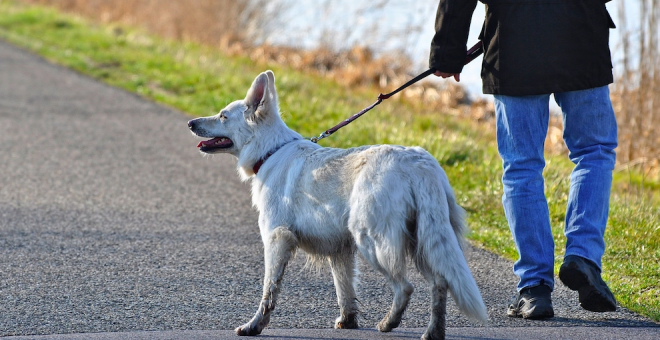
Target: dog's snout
[{"x": 191, "y": 124}]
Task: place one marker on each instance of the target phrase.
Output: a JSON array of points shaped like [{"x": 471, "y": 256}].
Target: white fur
[{"x": 384, "y": 201}]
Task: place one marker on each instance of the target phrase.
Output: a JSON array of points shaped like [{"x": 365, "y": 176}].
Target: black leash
[{"x": 472, "y": 53}]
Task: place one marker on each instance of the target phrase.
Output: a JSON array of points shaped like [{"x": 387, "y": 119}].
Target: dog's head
[
  {"x": 235, "y": 126},
  {"x": 248, "y": 129}
]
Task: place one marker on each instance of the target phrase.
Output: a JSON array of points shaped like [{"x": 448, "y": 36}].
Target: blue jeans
[{"x": 590, "y": 133}]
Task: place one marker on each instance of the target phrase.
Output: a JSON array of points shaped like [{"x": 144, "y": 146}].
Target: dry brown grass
[
  {"x": 213, "y": 22},
  {"x": 234, "y": 26},
  {"x": 636, "y": 94}
]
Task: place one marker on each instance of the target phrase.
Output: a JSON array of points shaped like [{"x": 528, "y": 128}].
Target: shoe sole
[
  {"x": 532, "y": 316},
  {"x": 590, "y": 297},
  {"x": 539, "y": 315}
]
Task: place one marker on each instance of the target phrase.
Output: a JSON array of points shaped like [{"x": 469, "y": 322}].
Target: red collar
[
  {"x": 263, "y": 159},
  {"x": 261, "y": 162}
]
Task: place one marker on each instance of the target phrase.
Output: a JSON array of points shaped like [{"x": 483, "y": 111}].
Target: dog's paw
[
  {"x": 348, "y": 322},
  {"x": 384, "y": 326},
  {"x": 387, "y": 325},
  {"x": 248, "y": 330},
  {"x": 430, "y": 336}
]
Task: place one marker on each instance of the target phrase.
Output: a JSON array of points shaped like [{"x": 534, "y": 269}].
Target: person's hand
[{"x": 457, "y": 76}]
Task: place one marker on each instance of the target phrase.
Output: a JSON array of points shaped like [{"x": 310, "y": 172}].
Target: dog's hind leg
[
  {"x": 391, "y": 262},
  {"x": 343, "y": 272},
  {"x": 436, "y": 329},
  {"x": 278, "y": 250},
  {"x": 402, "y": 290},
  {"x": 379, "y": 210}
]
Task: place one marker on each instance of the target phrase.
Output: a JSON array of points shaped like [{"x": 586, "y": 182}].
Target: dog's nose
[{"x": 191, "y": 124}]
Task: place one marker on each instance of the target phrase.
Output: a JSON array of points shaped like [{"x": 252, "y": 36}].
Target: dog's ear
[
  {"x": 271, "y": 86},
  {"x": 261, "y": 96},
  {"x": 256, "y": 95}
]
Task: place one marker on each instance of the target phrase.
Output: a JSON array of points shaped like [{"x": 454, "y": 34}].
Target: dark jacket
[{"x": 530, "y": 46}]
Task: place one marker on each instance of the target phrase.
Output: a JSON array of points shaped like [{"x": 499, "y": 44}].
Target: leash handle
[{"x": 472, "y": 54}]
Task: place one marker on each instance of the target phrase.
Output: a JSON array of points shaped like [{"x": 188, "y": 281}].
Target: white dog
[{"x": 385, "y": 201}]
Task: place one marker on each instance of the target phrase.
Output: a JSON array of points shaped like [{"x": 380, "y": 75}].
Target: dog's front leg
[{"x": 278, "y": 249}]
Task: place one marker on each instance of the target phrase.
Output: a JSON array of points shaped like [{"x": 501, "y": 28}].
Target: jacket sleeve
[{"x": 452, "y": 26}]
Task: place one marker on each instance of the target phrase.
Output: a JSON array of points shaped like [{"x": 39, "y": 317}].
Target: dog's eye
[{"x": 222, "y": 116}]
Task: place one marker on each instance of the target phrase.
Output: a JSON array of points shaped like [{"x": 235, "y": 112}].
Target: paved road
[{"x": 112, "y": 223}]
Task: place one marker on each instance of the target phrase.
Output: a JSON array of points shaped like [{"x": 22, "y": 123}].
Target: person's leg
[
  {"x": 590, "y": 133},
  {"x": 522, "y": 125}
]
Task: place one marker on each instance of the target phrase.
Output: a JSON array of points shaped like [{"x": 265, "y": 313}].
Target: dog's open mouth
[{"x": 216, "y": 143}]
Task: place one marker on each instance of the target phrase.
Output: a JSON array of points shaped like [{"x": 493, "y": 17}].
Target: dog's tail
[{"x": 440, "y": 243}]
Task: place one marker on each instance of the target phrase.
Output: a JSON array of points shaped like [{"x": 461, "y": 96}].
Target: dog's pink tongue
[{"x": 208, "y": 142}]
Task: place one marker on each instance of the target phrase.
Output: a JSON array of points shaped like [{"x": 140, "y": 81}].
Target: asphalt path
[{"x": 113, "y": 226}]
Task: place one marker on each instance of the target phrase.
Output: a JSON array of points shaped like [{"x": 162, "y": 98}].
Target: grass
[{"x": 200, "y": 80}]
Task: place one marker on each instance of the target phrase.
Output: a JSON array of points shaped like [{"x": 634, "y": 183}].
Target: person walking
[{"x": 532, "y": 49}]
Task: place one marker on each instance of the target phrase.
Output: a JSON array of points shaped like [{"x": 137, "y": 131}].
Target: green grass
[{"x": 200, "y": 80}]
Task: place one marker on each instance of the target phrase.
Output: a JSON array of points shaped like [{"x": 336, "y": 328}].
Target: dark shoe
[
  {"x": 532, "y": 303},
  {"x": 580, "y": 274}
]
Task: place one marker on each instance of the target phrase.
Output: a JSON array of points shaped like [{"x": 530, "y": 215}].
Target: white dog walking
[{"x": 385, "y": 201}]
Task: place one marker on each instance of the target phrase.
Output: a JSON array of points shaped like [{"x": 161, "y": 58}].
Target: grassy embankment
[{"x": 200, "y": 80}]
